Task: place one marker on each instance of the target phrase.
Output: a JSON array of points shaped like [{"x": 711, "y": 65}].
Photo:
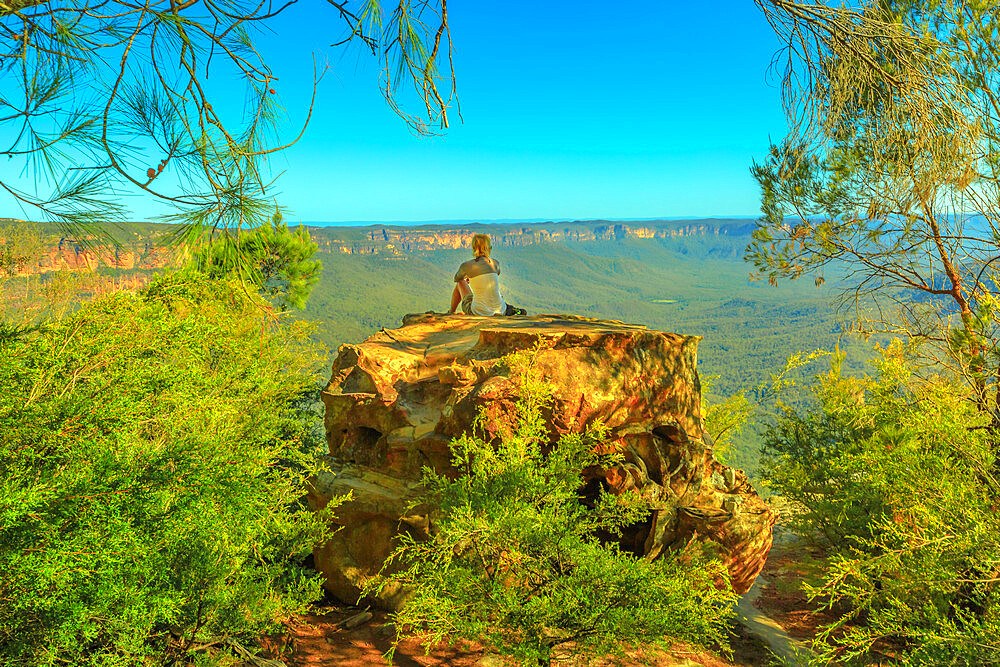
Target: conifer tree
[
  {"x": 275, "y": 258},
  {"x": 888, "y": 173},
  {"x": 175, "y": 101}
]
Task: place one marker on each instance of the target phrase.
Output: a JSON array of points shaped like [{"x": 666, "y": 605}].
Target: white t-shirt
[
  {"x": 486, "y": 299},
  {"x": 484, "y": 279}
]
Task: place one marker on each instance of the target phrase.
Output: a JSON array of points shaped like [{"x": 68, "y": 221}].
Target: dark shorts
[{"x": 467, "y": 304}]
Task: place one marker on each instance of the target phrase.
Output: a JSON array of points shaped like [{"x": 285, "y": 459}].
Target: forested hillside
[
  {"x": 692, "y": 284},
  {"x": 682, "y": 276},
  {"x": 685, "y": 276}
]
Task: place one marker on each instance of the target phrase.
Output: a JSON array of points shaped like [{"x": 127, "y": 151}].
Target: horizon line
[{"x": 501, "y": 221}]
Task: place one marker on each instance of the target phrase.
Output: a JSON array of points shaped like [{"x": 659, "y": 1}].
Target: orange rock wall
[
  {"x": 69, "y": 255},
  {"x": 395, "y": 241},
  {"x": 395, "y": 402}
]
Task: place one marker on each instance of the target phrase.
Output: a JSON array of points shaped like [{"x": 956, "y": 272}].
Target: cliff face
[
  {"x": 146, "y": 249},
  {"x": 395, "y": 401},
  {"x": 70, "y": 255},
  {"x": 397, "y": 241}
]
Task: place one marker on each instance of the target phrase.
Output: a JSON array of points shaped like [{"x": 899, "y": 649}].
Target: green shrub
[
  {"x": 514, "y": 562},
  {"x": 153, "y": 451},
  {"x": 272, "y": 257},
  {"x": 897, "y": 475}
]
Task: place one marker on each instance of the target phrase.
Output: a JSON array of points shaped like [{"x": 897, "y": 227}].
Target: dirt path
[
  {"x": 320, "y": 640},
  {"x": 792, "y": 652}
]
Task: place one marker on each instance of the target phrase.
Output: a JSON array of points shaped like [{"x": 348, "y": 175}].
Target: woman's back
[{"x": 483, "y": 274}]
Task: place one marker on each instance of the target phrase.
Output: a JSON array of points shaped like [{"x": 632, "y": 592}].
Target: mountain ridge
[
  {"x": 395, "y": 240},
  {"x": 143, "y": 246}
]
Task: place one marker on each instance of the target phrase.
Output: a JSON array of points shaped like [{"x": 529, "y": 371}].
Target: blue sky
[{"x": 571, "y": 110}]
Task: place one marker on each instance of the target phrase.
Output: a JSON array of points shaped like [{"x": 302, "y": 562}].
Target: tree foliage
[
  {"x": 19, "y": 244},
  {"x": 154, "y": 452},
  {"x": 105, "y": 98},
  {"x": 889, "y": 168},
  {"x": 514, "y": 561},
  {"x": 889, "y": 174},
  {"x": 273, "y": 257},
  {"x": 897, "y": 478}
]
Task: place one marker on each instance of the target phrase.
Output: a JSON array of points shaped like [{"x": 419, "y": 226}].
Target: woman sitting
[{"x": 477, "y": 283}]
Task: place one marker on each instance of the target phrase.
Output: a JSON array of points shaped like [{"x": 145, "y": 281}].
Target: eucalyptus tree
[
  {"x": 107, "y": 98},
  {"x": 890, "y": 173},
  {"x": 890, "y": 169}
]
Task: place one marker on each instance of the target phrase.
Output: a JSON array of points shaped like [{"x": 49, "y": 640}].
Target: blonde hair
[{"x": 481, "y": 245}]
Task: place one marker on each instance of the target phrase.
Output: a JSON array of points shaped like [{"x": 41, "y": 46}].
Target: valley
[{"x": 686, "y": 276}]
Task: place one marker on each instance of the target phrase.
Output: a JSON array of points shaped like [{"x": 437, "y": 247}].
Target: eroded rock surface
[{"x": 395, "y": 401}]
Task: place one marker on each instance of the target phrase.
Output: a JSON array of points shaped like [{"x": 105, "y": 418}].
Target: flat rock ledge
[{"x": 395, "y": 401}]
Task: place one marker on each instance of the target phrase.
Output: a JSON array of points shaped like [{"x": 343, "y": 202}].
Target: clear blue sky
[{"x": 571, "y": 110}]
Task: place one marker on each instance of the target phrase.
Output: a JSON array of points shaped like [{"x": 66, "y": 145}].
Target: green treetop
[{"x": 277, "y": 259}]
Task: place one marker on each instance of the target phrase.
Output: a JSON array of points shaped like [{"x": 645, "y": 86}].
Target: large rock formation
[{"x": 395, "y": 401}]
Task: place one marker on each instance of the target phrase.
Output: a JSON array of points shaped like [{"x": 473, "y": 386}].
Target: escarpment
[
  {"x": 394, "y": 242},
  {"x": 395, "y": 401},
  {"x": 71, "y": 255}
]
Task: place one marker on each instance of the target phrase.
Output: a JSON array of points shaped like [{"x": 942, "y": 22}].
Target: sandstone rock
[
  {"x": 368, "y": 522},
  {"x": 395, "y": 401}
]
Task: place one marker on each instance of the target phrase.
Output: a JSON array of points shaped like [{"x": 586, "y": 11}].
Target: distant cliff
[
  {"x": 399, "y": 241},
  {"x": 72, "y": 255},
  {"x": 143, "y": 245}
]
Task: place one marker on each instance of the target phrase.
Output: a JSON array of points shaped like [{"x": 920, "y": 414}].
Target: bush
[
  {"x": 897, "y": 476},
  {"x": 278, "y": 260},
  {"x": 153, "y": 449},
  {"x": 514, "y": 562}
]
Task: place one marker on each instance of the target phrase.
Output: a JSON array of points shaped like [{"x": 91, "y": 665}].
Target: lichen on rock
[{"x": 395, "y": 401}]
